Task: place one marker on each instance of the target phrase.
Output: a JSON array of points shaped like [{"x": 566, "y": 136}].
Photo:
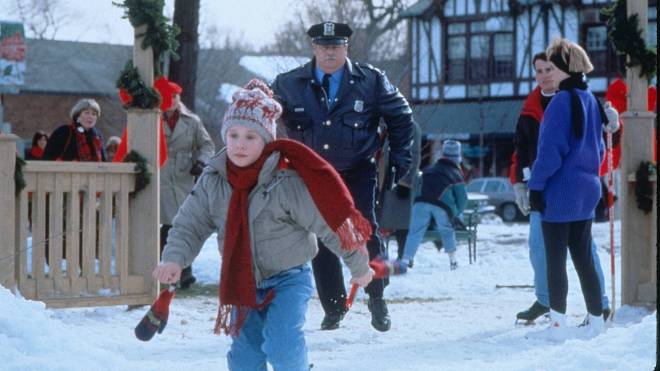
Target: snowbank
[{"x": 441, "y": 320}]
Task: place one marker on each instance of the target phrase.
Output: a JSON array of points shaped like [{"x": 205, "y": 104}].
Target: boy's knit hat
[
  {"x": 254, "y": 107},
  {"x": 451, "y": 149}
]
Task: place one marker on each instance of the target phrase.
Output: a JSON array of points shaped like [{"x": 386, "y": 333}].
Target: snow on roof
[
  {"x": 225, "y": 92},
  {"x": 267, "y": 67}
]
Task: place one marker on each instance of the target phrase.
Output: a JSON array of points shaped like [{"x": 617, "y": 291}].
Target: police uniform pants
[{"x": 328, "y": 274}]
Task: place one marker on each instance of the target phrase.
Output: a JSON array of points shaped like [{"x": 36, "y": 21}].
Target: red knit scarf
[
  {"x": 36, "y": 152},
  {"x": 85, "y": 153},
  {"x": 331, "y": 197}
]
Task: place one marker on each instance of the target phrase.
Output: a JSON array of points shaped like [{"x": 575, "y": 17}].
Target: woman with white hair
[
  {"x": 79, "y": 140},
  {"x": 565, "y": 188}
]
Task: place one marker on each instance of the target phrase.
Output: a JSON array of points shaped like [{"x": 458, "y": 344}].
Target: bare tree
[
  {"x": 378, "y": 29},
  {"x": 184, "y": 70},
  {"x": 42, "y": 18}
]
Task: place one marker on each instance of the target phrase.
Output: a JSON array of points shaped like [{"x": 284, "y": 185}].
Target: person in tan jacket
[
  {"x": 189, "y": 147},
  {"x": 269, "y": 200}
]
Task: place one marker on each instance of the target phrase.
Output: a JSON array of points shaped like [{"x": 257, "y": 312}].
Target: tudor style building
[{"x": 470, "y": 63}]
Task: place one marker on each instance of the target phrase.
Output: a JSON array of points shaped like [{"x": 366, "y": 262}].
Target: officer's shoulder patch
[
  {"x": 293, "y": 73},
  {"x": 371, "y": 67}
]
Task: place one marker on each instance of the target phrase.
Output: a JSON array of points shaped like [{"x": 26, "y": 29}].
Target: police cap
[{"x": 330, "y": 33}]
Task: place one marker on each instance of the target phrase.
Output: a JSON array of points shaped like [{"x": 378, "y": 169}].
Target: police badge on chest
[{"x": 358, "y": 105}]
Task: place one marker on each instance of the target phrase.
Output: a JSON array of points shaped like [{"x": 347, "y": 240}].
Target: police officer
[{"x": 334, "y": 106}]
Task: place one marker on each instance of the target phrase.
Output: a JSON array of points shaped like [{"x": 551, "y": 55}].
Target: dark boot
[
  {"x": 187, "y": 278},
  {"x": 533, "y": 312},
  {"x": 380, "y": 318},
  {"x": 331, "y": 321}
]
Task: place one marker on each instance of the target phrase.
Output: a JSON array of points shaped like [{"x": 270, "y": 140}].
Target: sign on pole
[{"x": 12, "y": 55}]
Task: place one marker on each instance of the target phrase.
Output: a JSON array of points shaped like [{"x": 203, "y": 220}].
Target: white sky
[{"x": 99, "y": 21}]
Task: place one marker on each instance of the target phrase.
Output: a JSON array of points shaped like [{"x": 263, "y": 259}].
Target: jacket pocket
[
  {"x": 183, "y": 162},
  {"x": 299, "y": 127},
  {"x": 354, "y": 131}
]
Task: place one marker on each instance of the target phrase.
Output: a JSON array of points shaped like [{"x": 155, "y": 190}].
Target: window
[
  {"x": 596, "y": 45},
  {"x": 475, "y": 186},
  {"x": 505, "y": 187},
  {"x": 503, "y": 56},
  {"x": 480, "y": 50},
  {"x": 652, "y": 30},
  {"x": 456, "y": 52},
  {"x": 492, "y": 186}
]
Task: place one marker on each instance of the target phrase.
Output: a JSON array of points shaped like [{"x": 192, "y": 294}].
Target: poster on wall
[{"x": 13, "y": 50}]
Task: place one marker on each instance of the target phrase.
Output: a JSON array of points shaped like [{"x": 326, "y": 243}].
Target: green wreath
[
  {"x": 19, "y": 177},
  {"x": 143, "y": 175},
  {"x": 160, "y": 35},
  {"x": 627, "y": 39},
  {"x": 139, "y": 95}
]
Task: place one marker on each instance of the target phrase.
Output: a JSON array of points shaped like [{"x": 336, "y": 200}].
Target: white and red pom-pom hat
[{"x": 254, "y": 107}]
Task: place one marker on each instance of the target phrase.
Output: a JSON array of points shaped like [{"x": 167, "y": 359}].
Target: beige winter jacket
[
  {"x": 189, "y": 142},
  {"x": 284, "y": 221}
]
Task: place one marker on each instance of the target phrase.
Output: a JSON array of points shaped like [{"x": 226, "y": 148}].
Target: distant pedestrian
[
  {"x": 443, "y": 198},
  {"x": 79, "y": 140},
  {"x": 111, "y": 147},
  {"x": 525, "y": 143},
  {"x": 189, "y": 147},
  {"x": 39, "y": 142},
  {"x": 564, "y": 185}
]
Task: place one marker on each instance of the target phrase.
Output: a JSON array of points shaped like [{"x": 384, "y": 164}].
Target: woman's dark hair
[
  {"x": 540, "y": 56},
  {"x": 38, "y": 135}
]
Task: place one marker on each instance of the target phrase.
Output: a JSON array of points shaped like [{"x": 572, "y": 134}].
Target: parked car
[{"x": 500, "y": 195}]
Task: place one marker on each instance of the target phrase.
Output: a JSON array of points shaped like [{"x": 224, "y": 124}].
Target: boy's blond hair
[{"x": 571, "y": 54}]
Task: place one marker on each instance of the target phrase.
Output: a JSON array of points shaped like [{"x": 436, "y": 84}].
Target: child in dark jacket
[
  {"x": 268, "y": 200},
  {"x": 443, "y": 197}
]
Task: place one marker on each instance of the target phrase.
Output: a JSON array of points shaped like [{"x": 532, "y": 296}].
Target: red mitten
[{"x": 156, "y": 317}]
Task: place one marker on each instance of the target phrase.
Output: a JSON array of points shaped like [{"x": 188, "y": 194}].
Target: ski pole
[{"x": 610, "y": 203}]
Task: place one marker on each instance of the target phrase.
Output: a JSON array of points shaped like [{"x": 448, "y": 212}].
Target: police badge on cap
[{"x": 330, "y": 33}]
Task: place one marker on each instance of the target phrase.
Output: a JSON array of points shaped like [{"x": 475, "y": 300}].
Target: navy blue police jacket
[{"x": 346, "y": 133}]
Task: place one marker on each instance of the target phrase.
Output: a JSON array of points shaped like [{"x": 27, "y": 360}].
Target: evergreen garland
[
  {"x": 160, "y": 35},
  {"x": 143, "y": 175},
  {"x": 141, "y": 96},
  {"x": 627, "y": 39},
  {"x": 643, "y": 186},
  {"x": 19, "y": 178}
]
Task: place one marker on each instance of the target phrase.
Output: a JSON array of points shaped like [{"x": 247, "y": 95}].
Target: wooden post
[
  {"x": 638, "y": 230},
  {"x": 144, "y": 236},
  {"x": 7, "y": 211}
]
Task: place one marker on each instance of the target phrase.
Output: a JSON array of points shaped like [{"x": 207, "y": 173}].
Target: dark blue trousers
[{"x": 328, "y": 275}]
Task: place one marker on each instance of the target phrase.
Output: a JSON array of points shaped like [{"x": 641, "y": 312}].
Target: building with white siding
[{"x": 470, "y": 64}]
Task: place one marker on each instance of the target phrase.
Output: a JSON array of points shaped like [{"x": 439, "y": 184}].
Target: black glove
[
  {"x": 197, "y": 168},
  {"x": 536, "y": 202},
  {"x": 402, "y": 191}
]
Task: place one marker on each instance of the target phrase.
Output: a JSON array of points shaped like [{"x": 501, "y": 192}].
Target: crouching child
[{"x": 268, "y": 200}]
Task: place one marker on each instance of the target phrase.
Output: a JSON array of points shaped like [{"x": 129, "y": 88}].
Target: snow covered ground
[{"x": 441, "y": 320}]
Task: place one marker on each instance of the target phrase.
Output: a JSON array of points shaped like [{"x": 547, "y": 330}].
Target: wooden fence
[{"x": 72, "y": 225}]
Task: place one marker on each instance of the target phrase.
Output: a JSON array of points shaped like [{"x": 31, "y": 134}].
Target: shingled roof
[{"x": 54, "y": 66}]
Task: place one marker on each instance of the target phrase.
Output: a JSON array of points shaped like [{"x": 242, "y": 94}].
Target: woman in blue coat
[{"x": 565, "y": 188}]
